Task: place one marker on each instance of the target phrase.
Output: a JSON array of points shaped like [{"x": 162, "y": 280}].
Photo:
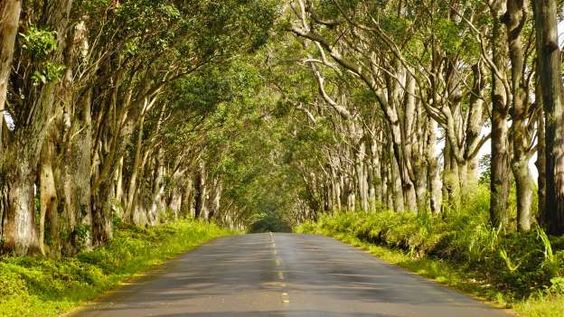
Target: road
[{"x": 284, "y": 275}]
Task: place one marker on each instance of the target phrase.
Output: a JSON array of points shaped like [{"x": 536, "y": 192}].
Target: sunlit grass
[{"x": 47, "y": 287}]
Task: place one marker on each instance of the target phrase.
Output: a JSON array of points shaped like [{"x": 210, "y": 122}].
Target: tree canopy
[{"x": 261, "y": 114}]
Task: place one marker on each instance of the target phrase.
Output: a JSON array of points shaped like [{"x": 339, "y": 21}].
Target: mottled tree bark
[
  {"x": 19, "y": 231},
  {"x": 434, "y": 175},
  {"x": 515, "y": 21},
  {"x": 24, "y": 144},
  {"x": 48, "y": 201},
  {"x": 200, "y": 192},
  {"x": 541, "y": 168},
  {"x": 500, "y": 171},
  {"x": 550, "y": 81},
  {"x": 9, "y": 19}
]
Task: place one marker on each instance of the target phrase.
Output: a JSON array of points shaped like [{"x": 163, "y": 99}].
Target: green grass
[
  {"x": 522, "y": 271},
  {"x": 541, "y": 304},
  {"x": 48, "y": 287}
]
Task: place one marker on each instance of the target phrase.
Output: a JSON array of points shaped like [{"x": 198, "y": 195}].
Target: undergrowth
[
  {"x": 48, "y": 287},
  {"x": 522, "y": 270}
]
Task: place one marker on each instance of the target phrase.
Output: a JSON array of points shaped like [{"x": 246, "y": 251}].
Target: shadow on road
[{"x": 247, "y": 275}]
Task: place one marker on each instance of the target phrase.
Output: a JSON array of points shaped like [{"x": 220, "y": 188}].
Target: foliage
[
  {"x": 39, "y": 43},
  {"x": 519, "y": 264},
  {"x": 49, "y": 287}
]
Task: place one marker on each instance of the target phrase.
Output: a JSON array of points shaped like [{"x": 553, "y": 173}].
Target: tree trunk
[
  {"x": 200, "y": 193},
  {"x": 515, "y": 21},
  {"x": 135, "y": 170},
  {"x": 499, "y": 153},
  {"x": 395, "y": 182},
  {"x": 9, "y": 19},
  {"x": 550, "y": 82},
  {"x": 361, "y": 178},
  {"x": 48, "y": 201},
  {"x": 76, "y": 178},
  {"x": 187, "y": 205},
  {"x": 214, "y": 199},
  {"x": 25, "y": 144},
  {"x": 375, "y": 177},
  {"x": 157, "y": 191},
  {"x": 452, "y": 192},
  {"x": 541, "y": 167},
  {"x": 19, "y": 231},
  {"x": 101, "y": 214},
  {"x": 434, "y": 175}
]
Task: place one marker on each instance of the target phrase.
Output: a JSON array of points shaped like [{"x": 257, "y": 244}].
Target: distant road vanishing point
[{"x": 284, "y": 275}]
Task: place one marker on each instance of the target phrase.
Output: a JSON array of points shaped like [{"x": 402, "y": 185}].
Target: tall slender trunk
[
  {"x": 157, "y": 191},
  {"x": 409, "y": 144},
  {"x": 395, "y": 182},
  {"x": 214, "y": 202},
  {"x": 361, "y": 177},
  {"x": 452, "y": 191},
  {"x": 476, "y": 121},
  {"x": 101, "y": 214},
  {"x": 550, "y": 82},
  {"x": 375, "y": 177},
  {"x": 434, "y": 175},
  {"x": 76, "y": 177},
  {"x": 135, "y": 170},
  {"x": 48, "y": 201},
  {"x": 187, "y": 205},
  {"x": 336, "y": 180},
  {"x": 9, "y": 19},
  {"x": 516, "y": 18},
  {"x": 200, "y": 192},
  {"x": 500, "y": 170},
  {"x": 541, "y": 167}
]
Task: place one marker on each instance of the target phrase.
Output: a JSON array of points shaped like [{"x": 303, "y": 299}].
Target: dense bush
[{"x": 519, "y": 263}]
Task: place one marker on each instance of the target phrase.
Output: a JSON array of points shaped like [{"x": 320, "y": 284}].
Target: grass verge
[
  {"x": 49, "y": 287},
  {"x": 484, "y": 273}
]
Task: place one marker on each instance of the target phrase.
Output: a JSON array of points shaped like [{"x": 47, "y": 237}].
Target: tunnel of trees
[{"x": 263, "y": 114}]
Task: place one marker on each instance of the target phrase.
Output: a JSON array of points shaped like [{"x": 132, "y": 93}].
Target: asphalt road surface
[{"x": 284, "y": 275}]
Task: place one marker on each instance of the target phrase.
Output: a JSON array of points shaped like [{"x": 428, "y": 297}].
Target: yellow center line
[{"x": 285, "y": 298}]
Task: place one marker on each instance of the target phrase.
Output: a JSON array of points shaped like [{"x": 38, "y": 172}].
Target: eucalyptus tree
[
  {"x": 367, "y": 66},
  {"x": 429, "y": 67},
  {"x": 34, "y": 89},
  {"x": 415, "y": 86},
  {"x": 523, "y": 121},
  {"x": 199, "y": 34},
  {"x": 9, "y": 19},
  {"x": 550, "y": 84},
  {"x": 89, "y": 75}
]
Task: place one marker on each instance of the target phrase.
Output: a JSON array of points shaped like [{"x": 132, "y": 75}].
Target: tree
[
  {"x": 550, "y": 82},
  {"x": 9, "y": 20}
]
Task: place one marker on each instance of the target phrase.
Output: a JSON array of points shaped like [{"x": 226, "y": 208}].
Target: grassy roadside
[
  {"x": 470, "y": 278},
  {"x": 48, "y": 287}
]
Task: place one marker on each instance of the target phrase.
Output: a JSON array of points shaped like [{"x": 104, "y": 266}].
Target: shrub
[{"x": 519, "y": 263}]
